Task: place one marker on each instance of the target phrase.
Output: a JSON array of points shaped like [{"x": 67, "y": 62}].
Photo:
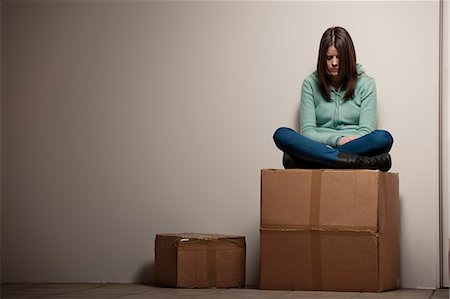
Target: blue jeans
[{"x": 310, "y": 152}]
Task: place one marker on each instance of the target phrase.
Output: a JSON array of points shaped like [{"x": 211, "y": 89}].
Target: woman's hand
[{"x": 343, "y": 140}]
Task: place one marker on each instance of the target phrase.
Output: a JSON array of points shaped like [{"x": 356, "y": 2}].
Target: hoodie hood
[{"x": 360, "y": 69}]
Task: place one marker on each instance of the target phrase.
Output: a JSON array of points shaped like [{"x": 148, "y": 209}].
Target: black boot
[
  {"x": 292, "y": 163},
  {"x": 351, "y": 161},
  {"x": 383, "y": 161}
]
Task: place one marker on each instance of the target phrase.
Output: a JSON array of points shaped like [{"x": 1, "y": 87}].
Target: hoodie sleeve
[
  {"x": 368, "y": 114},
  {"x": 308, "y": 124}
]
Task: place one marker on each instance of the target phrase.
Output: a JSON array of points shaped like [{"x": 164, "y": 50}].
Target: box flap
[
  {"x": 319, "y": 199},
  {"x": 197, "y": 236}
]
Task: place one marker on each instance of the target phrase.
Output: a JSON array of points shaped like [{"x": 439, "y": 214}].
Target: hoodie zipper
[{"x": 336, "y": 112}]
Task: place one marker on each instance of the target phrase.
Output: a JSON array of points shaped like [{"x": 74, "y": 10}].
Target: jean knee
[
  {"x": 283, "y": 137},
  {"x": 281, "y": 133},
  {"x": 384, "y": 138}
]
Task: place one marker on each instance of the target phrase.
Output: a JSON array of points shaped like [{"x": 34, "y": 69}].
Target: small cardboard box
[
  {"x": 329, "y": 230},
  {"x": 190, "y": 260}
]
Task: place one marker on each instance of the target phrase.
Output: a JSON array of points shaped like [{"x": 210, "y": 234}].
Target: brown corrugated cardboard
[
  {"x": 335, "y": 230},
  {"x": 199, "y": 260}
]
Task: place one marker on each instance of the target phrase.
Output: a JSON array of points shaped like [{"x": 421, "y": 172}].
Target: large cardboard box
[
  {"x": 330, "y": 230},
  {"x": 189, "y": 260}
]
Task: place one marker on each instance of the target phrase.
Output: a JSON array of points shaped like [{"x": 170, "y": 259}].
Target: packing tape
[
  {"x": 314, "y": 221},
  {"x": 212, "y": 246},
  {"x": 221, "y": 242},
  {"x": 314, "y": 211},
  {"x": 316, "y": 261}
]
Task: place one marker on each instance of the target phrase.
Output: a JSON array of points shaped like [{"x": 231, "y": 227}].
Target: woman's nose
[{"x": 335, "y": 62}]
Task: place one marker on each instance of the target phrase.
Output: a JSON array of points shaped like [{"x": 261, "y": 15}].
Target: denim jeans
[{"x": 312, "y": 153}]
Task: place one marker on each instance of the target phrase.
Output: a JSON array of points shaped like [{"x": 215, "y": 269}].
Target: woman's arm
[
  {"x": 308, "y": 124},
  {"x": 368, "y": 114}
]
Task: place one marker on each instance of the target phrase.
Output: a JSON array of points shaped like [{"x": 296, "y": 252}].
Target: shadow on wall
[{"x": 146, "y": 273}]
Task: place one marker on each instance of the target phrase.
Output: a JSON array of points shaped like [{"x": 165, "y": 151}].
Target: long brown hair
[{"x": 341, "y": 40}]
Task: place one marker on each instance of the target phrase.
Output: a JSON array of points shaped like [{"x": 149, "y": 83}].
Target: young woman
[{"x": 337, "y": 114}]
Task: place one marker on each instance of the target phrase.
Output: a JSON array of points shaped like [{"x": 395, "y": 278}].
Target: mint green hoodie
[{"x": 326, "y": 122}]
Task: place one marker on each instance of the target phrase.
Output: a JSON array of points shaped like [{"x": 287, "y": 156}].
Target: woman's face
[{"x": 333, "y": 61}]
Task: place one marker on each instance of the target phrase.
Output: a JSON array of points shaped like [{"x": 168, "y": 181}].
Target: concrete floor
[{"x": 136, "y": 291}]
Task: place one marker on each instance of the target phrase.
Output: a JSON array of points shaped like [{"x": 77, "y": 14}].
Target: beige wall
[{"x": 121, "y": 120}]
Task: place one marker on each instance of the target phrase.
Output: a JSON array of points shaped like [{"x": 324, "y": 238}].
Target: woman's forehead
[{"x": 332, "y": 50}]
